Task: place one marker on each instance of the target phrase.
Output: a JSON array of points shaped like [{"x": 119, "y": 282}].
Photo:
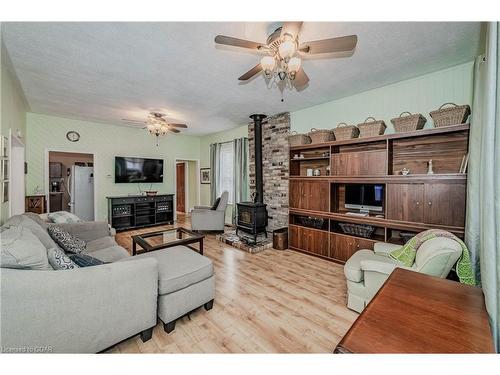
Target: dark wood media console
[
  {"x": 411, "y": 203},
  {"x": 130, "y": 212}
]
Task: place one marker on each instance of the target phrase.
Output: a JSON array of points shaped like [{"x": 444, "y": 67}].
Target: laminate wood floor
[{"x": 270, "y": 302}]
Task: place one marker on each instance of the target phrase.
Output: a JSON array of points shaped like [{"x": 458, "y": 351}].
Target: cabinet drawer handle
[
  {"x": 429, "y": 203},
  {"x": 418, "y": 203}
]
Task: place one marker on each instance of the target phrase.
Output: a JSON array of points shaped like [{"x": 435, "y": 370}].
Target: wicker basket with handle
[
  {"x": 344, "y": 131},
  {"x": 321, "y": 135},
  {"x": 296, "y": 139},
  {"x": 457, "y": 114},
  {"x": 371, "y": 128},
  {"x": 407, "y": 122}
]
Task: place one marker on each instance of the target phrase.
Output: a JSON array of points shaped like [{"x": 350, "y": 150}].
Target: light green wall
[
  {"x": 418, "y": 95},
  {"x": 13, "y": 109},
  {"x": 105, "y": 142}
]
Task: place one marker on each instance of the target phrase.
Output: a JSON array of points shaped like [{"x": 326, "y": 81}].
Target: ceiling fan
[
  {"x": 284, "y": 52},
  {"x": 157, "y": 124}
]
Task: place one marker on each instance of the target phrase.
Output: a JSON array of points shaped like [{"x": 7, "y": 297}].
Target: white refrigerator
[{"x": 81, "y": 192}]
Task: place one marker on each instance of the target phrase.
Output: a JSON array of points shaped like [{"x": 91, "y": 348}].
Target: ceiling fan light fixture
[
  {"x": 268, "y": 63},
  {"x": 294, "y": 65},
  {"x": 287, "y": 49}
]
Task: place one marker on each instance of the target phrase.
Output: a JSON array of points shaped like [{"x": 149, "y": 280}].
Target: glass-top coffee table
[{"x": 167, "y": 238}]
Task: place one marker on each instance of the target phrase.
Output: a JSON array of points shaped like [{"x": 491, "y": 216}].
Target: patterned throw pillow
[
  {"x": 61, "y": 217},
  {"x": 84, "y": 260},
  {"x": 59, "y": 260},
  {"x": 66, "y": 240}
]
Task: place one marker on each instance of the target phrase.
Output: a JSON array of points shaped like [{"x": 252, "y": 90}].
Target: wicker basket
[
  {"x": 457, "y": 114},
  {"x": 321, "y": 135},
  {"x": 408, "y": 123},
  {"x": 312, "y": 222},
  {"x": 371, "y": 128},
  {"x": 296, "y": 139},
  {"x": 344, "y": 131},
  {"x": 360, "y": 230}
]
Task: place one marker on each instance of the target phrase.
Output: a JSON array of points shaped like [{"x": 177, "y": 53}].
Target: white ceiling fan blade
[
  {"x": 301, "y": 78},
  {"x": 341, "y": 44}
]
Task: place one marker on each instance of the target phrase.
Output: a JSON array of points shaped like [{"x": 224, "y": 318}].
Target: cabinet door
[
  {"x": 315, "y": 241},
  {"x": 405, "y": 202},
  {"x": 343, "y": 247},
  {"x": 316, "y": 195},
  {"x": 293, "y": 236},
  {"x": 445, "y": 204},
  {"x": 55, "y": 170},
  {"x": 359, "y": 163},
  {"x": 295, "y": 194}
]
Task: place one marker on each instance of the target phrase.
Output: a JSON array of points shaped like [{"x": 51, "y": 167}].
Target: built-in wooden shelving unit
[{"x": 412, "y": 203}]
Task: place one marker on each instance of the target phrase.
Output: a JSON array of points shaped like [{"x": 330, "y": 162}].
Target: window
[{"x": 226, "y": 160}]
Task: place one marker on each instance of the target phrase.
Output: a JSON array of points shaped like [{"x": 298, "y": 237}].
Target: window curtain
[
  {"x": 214, "y": 169},
  {"x": 240, "y": 168},
  {"x": 482, "y": 233}
]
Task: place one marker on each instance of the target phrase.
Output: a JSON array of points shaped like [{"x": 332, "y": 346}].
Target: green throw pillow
[{"x": 405, "y": 254}]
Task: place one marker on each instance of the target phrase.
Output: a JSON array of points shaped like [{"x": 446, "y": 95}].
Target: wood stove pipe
[{"x": 259, "y": 185}]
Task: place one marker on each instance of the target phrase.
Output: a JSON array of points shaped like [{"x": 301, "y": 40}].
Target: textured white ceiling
[{"x": 108, "y": 71}]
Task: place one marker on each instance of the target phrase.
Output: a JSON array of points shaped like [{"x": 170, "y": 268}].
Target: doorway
[
  {"x": 71, "y": 183},
  {"x": 187, "y": 190},
  {"x": 180, "y": 190}
]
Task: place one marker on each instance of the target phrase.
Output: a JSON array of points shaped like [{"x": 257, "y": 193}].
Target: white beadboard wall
[{"x": 417, "y": 95}]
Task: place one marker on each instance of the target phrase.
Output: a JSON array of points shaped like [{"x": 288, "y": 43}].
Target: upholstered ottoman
[{"x": 186, "y": 281}]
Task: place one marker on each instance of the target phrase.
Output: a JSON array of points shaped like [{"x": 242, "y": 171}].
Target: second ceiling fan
[{"x": 284, "y": 52}]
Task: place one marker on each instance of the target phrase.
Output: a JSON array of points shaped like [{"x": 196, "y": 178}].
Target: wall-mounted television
[
  {"x": 364, "y": 197},
  {"x": 129, "y": 169}
]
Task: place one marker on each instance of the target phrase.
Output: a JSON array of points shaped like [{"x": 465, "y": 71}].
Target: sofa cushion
[
  {"x": 352, "y": 268},
  {"x": 66, "y": 240},
  {"x": 59, "y": 260},
  {"x": 179, "y": 267},
  {"x": 27, "y": 221},
  {"x": 22, "y": 249},
  {"x": 100, "y": 243},
  {"x": 61, "y": 217},
  {"x": 111, "y": 254},
  {"x": 85, "y": 260}
]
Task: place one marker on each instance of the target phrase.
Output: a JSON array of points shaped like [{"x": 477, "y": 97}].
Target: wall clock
[{"x": 73, "y": 136}]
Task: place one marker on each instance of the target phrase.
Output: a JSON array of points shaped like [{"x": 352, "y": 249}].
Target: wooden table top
[{"x": 417, "y": 313}]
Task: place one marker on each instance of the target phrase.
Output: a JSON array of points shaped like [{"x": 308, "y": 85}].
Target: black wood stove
[{"x": 252, "y": 216}]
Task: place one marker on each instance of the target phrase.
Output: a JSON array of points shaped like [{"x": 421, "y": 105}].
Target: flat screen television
[
  {"x": 364, "y": 197},
  {"x": 138, "y": 170}
]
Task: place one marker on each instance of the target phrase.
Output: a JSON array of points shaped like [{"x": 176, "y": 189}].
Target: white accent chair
[
  {"x": 367, "y": 270},
  {"x": 204, "y": 218}
]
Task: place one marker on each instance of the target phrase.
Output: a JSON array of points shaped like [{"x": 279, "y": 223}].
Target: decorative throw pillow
[
  {"x": 84, "y": 260},
  {"x": 59, "y": 260},
  {"x": 66, "y": 240},
  {"x": 60, "y": 217},
  {"x": 22, "y": 249},
  {"x": 216, "y": 204},
  {"x": 405, "y": 254}
]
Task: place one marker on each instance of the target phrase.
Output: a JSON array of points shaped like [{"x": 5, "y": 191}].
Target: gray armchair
[
  {"x": 203, "y": 218},
  {"x": 367, "y": 270}
]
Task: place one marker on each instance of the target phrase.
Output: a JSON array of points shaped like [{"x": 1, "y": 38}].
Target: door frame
[
  {"x": 16, "y": 142},
  {"x": 47, "y": 179},
  {"x": 186, "y": 184}
]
